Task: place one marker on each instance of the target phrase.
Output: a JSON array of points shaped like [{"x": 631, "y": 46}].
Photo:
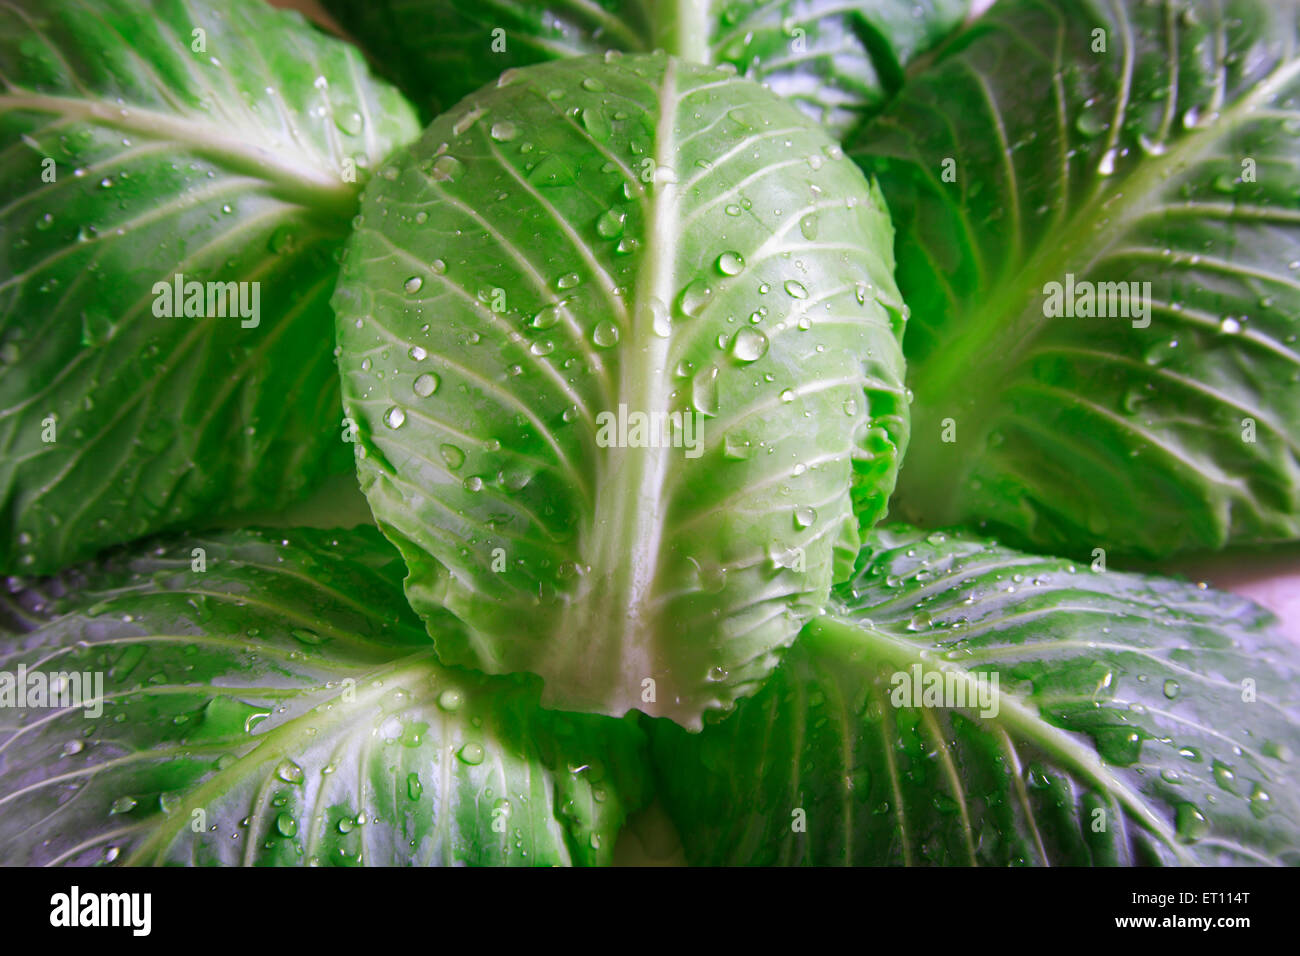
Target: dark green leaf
[
  {"x": 836, "y": 60},
  {"x": 1169, "y": 158},
  {"x": 138, "y": 142},
  {"x": 1133, "y": 720},
  {"x": 270, "y": 699}
]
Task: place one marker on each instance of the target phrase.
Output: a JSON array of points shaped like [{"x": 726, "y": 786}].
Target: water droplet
[
  {"x": 567, "y": 281},
  {"x": 413, "y": 786},
  {"x": 1229, "y": 326},
  {"x": 304, "y": 636},
  {"x": 395, "y": 417},
  {"x": 808, "y": 225},
  {"x": 286, "y": 824},
  {"x": 425, "y": 385},
  {"x": 804, "y": 516},
  {"x": 473, "y": 483},
  {"x": 452, "y": 455},
  {"x": 704, "y": 391},
  {"x": 446, "y": 169},
  {"x": 748, "y": 345},
  {"x": 737, "y": 448},
  {"x": 795, "y": 289},
  {"x": 471, "y": 754},
  {"x": 660, "y": 322},
  {"x": 1190, "y": 823},
  {"x": 605, "y": 335},
  {"x": 920, "y": 621},
  {"x": 1107, "y": 164},
  {"x": 124, "y": 805},
  {"x": 289, "y": 772},
  {"x": 610, "y": 223},
  {"x": 730, "y": 263},
  {"x": 439, "y": 266},
  {"x": 787, "y": 396},
  {"x": 551, "y": 171},
  {"x": 717, "y": 673},
  {"x": 451, "y": 699},
  {"x": 694, "y": 298},
  {"x": 350, "y": 122},
  {"x": 417, "y": 353},
  {"x": 503, "y": 131},
  {"x": 595, "y": 122},
  {"x": 413, "y": 285},
  {"x": 1171, "y": 689},
  {"x": 546, "y": 317}
]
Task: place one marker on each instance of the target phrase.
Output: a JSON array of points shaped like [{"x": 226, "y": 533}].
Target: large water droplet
[
  {"x": 610, "y": 223},
  {"x": 1190, "y": 823},
  {"x": 395, "y": 417},
  {"x": 471, "y": 754},
  {"x": 413, "y": 285},
  {"x": 730, "y": 263},
  {"x": 546, "y": 317},
  {"x": 704, "y": 391},
  {"x": 795, "y": 289},
  {"x": 694, "y": 298},
  {"x": 748, "y": 345},
  {"x": 446, "y": 169},
  {"x": 452, "y": 455},
  {"x": 451, "y": 699},
  {"x": 425, "y": 385},
  {"x": 605, "y": 334}
]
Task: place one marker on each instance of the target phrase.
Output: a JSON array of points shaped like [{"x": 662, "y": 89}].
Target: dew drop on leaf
[
  {"x": 730, "y": 263},
  {"x": 704, "y": 391},
  {"x": 748, "y": 345},
  {"x": 446, "y": 169},
  {"x": 605, "y": 335},
  {"x": 452, "y": 455},
  {"x": 425, "y": 385}
]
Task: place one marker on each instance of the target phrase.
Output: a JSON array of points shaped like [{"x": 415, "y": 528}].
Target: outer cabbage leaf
[
  {"x": 837, "y": 61},
  {"x": 139, "y": 142},
  {"x": 1125, "y": 730},
  {"x": 282, "y": 706},
  {"x": 560, "y": 264},
  {"x": 1086, "y": 144}
]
